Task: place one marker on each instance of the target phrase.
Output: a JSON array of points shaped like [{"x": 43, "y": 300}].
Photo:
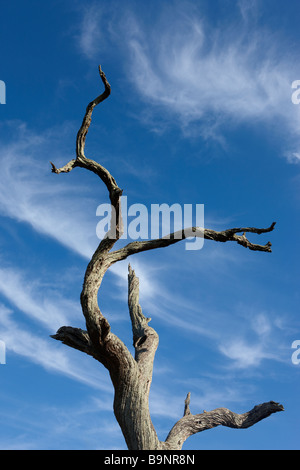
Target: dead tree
[{"x": 132, "y": 376}]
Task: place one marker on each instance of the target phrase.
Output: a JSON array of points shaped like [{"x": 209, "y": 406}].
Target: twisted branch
[
  {"x": 82, "y": 161},
  {"x": 98, "y": 328},
  {"x": 223, "y": 236},
  {"x": 191, "y": 424}
]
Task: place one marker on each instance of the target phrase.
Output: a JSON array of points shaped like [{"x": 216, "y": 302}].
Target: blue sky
[{"x": 200, "y": 113}]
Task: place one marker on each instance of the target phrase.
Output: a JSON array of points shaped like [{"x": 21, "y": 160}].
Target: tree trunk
[{"x": 131, "y": 408}]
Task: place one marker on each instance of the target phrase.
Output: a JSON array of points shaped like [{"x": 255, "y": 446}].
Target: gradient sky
[{"x": 200, "y": 113}]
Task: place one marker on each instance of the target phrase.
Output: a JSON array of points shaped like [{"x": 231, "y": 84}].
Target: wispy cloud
[
  {"x": 200, "y": 73},
  {"x": 28, "y": 344},
  {"x": 244, "y": 354},
  {"x": 51, "y": 206},
  {"x": 90, "y": 36},
  {"x": 210, "y": 77},
  {"x": 253, "y": 344},
  {"x": 248, "y": 9},
  {"x": 45, "y": 306}
]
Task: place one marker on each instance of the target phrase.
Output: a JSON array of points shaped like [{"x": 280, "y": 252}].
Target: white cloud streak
[
  {"x": 23, "y": 342},
  {"x": 223, "y": 78},
  {"x": 210, "y": 78},
  {"x": 265, "y": 345},
  {"x": 248, "y": 9},
  {"x": 90, "y": 36},
  {"x": 41, "y": 200},
  {"x": 47, "y": 308}
]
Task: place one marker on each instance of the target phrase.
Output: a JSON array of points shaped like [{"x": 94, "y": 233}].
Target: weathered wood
[
  {"x": 132, "y": 376},
  {"x": 191, "y": 424}
]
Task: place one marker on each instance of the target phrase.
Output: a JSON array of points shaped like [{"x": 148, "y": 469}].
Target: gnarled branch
[
  {"x": 81, "y": 135},
  {"x": 191, "y": 424},
  {"x": 171, "y": 239},
  {"x": 105, "y": 344},
  {"x": 83, "y": 162}
]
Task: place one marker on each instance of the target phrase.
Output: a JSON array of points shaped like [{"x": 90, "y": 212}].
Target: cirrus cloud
[{"x": 205, "y": 77}]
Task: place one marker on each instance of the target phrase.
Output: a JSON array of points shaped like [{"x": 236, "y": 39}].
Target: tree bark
[{"x": 132, "y": 376}]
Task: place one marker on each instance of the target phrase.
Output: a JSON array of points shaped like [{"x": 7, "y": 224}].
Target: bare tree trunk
[
  {"x": 132, "y": 385},
  {"x": 132, "y": 376},
  {"x": 131, "y": 408}
]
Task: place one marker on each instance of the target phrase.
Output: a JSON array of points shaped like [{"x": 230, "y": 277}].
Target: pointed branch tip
[
  {"x": 130, "y": 271},
  {"x": 54, "y": 169},
  {"x": 187, "y": 405}
]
